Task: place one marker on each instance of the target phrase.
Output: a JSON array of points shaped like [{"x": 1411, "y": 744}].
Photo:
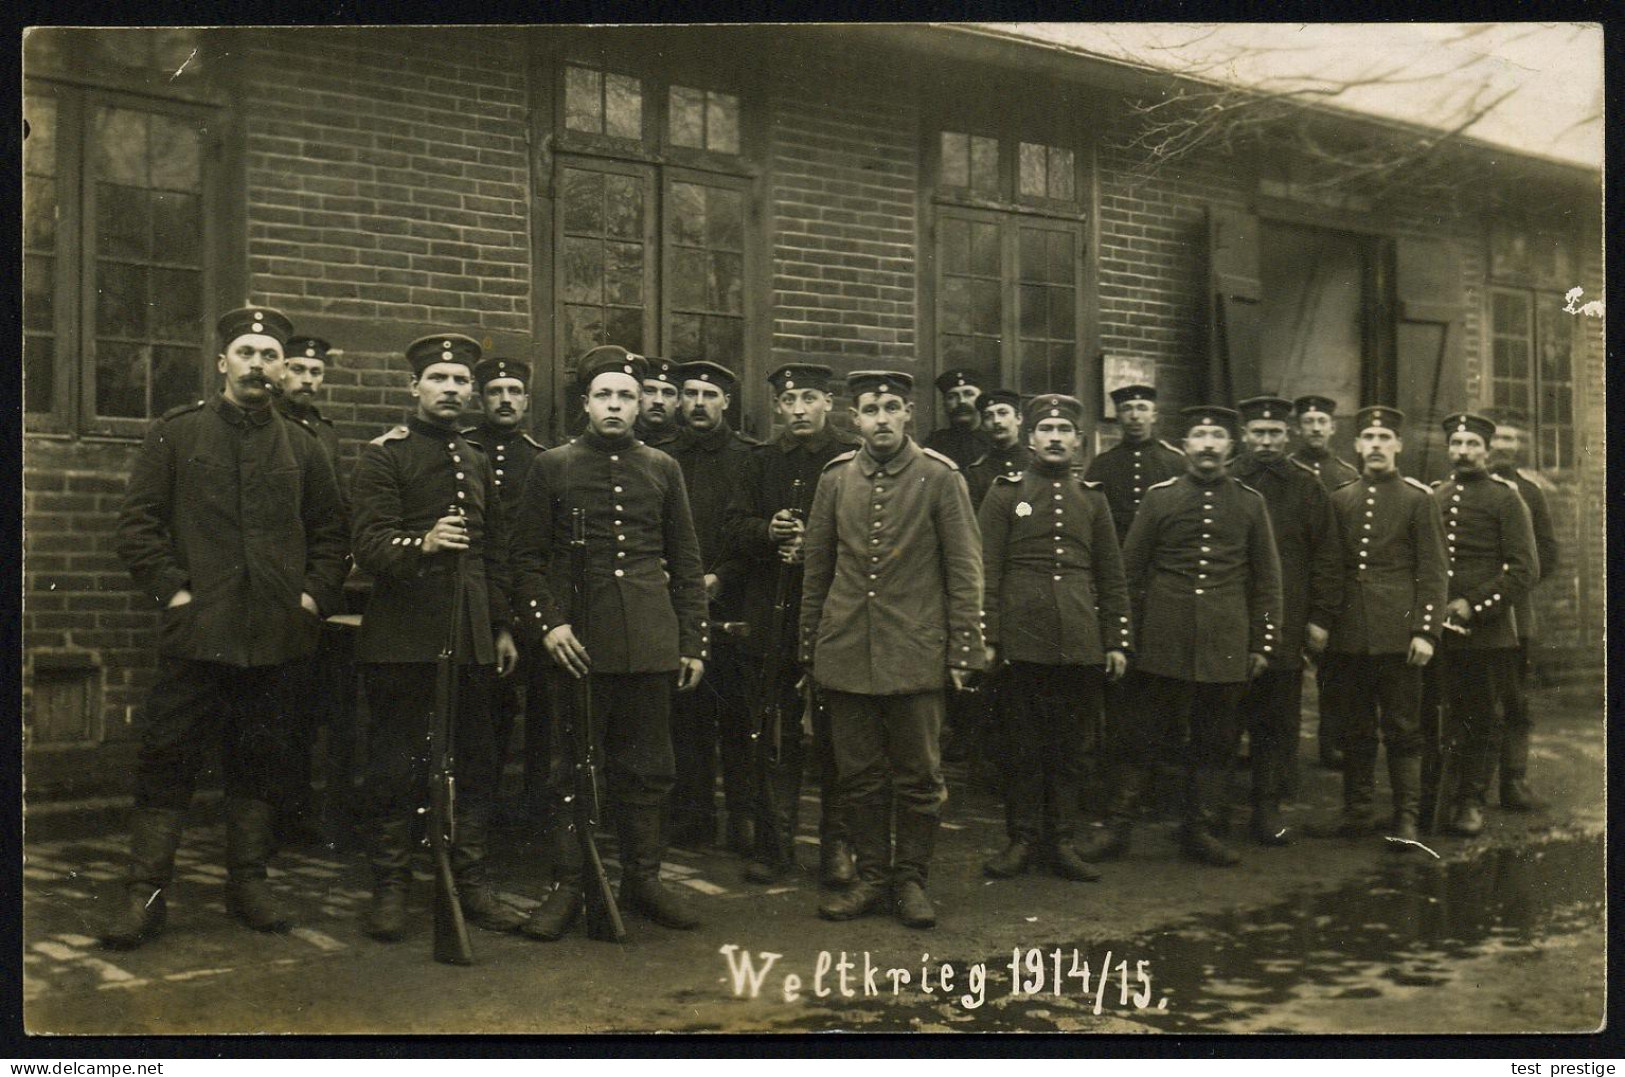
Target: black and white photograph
[{"x": 878, "y": 527}]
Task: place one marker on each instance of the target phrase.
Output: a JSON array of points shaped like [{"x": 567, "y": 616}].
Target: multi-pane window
[
  {"x": 1532, "y": 368},
  {"x": 703, "y": 119},
  {"x": 705, "y": 256},
  {"x": 604, "y": 266},
  {"x": 113, "y": 319},
  {"x": 602, "y": 103},
  {"x": 1009, "y": 254}
]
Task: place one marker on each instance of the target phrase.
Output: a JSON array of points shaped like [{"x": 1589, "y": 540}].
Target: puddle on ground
[{"x": 1409, "y": 926}]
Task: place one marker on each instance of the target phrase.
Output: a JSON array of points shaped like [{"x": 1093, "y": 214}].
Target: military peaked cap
[{"x": 267, "y": 321}]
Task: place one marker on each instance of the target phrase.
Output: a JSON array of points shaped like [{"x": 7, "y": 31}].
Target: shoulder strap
[
  {"x": 394, "y": 433},
  {"x": 934, "y": 454}
]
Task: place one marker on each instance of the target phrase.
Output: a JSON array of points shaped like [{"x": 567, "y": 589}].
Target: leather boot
[
  {"x": 1466, "y": 819},
  {"x": 1113, "y": 841},
  {"x": 868, "y": 827},
  {"x": 911, "y": 867},
  {"x": 565, "y": 903},
  {"x": 142, "y": 909},
  {"x": 1515, "y": 792},
  {"x": 391, "y": 879},
  {"x": 914, "y": 909},
  {"x": 1197, "y": 839},
  {"x": 642, "y": 892},
  {"x": 1009, "y": 863},
  {"x": 481, "y": 906},
  {"x": 1265, "y": 827},
  {"x": 249, "y": 841},
  {"x": 1405, "y": 780},
  {"x": 1067, "y": 864},
  {"x": 835, "y": 866},
  {"x": 1358, "y": 818},
  {"x": 778, "y": 808}
]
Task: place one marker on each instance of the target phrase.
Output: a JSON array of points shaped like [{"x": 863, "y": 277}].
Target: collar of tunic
[
  {"x": 900, "y": 460},
  {"x": 237, "y": 415}
]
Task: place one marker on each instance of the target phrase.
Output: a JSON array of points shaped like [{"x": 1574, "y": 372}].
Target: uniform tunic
[
  {"x": 406, "y": 479},
  {"x": 964, "y": 447},
  {"x": 311, "y": 417},
  {"x": 1333, "y": 471},
  {"x": 1055, "y": 593},
  {"x": 1306, "y": 539},
  {"x": 510, "y": 453},
  {"x": 639, "y": 529},
  {"x": 1530, "y": 486},
  {"x": 1491, "y": 546},
  {"x": 1393, "y": 566},
  {"x": 980, "y": 475},
  {"x": 240, "y": 508},
  {"x": 893, "y": 586},
  {"x": 662, "y": 439},
  {"x": 714, "y": 464},
  {"x": 1204, "y": 578},
  {"x": 1130, "y": 468},
  {"x": 764, "y": 489}
]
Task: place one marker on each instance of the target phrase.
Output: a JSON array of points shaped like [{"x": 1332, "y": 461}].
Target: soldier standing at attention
[
  {"x": 232, "y": 526},
  {"x": 713, "y": 458},
  {"x": 1491, "y": 543},
  {"x": 660, "y": 404},
  {"x": 1057, "y": 612},
  {"x": 1508, "y": 452},
  {"x": 1316, "y": 425},
  {"x": 428, "y": 519},
  {"x": 325, "y": 681},
  {"x": 1138, "y": 462},
  {"x": 504, "y": 395},
  {"x": 1393, "y": 569},
  {"x": 1205, "y": 581},
  {"x": 768, "y": 523},
  {"x": 646, "y": 629},
  {"x": 962, "y": 440},
  {"x": 1311, "y": 585},
  {"x": 1008, "y": 454},
  {"x": 890, "y": 611}
]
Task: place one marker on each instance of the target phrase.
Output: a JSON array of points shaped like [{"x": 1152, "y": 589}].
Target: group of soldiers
[{"x": 1143, "y": 611}]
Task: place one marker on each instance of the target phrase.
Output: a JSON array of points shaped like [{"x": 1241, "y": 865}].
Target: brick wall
[{"x": 843, "y": 186}]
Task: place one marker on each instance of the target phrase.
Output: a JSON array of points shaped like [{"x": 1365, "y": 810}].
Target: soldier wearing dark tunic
[
  {"x": 1316, "y": 423},
  {"x": 647, "y": 630},
  {"x": 660, "y": 405},
  {"x": 231, "y": 526},
  {"x": 1311, "y": 585},
  {"x": 767, "y": 521},
  {"x": 1008, "y": 453},
  {"x": 324, "y": 684},
  {"x": 1205, "y": 581},
  {"x": 1507, "y": 454},
  {"x": 890, "y": 611},
  {"x": 1057, "y": 614},
  {"x": 1139, "y": 461},
  {"x": 504, "y": 394},
  {"x": 711, "y": 720},
  {"x": 427, "y": 520},
  {"x": 1386, "y": 628},
  {"x": 1491, "y": 542},
  {"x": 962, "y": 440}
]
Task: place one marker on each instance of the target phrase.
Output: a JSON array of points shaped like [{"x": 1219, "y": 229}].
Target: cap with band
[
  {"x": 265, "y": 321},
  {"x": 496, "y": 367},
  {"x": 801, "y": 376},
  {"x": 1054, "y": 406},
  {"x": 1381, "y": 416},
  {"x": 1209, "y": 415},
  {"x": 956, "y": 379},
  {"x": 706, "y": 371},
  {"x": 1314, "y": 402},
  {"x": 424, "y": 352},
  {"x": 307, "y": 348},
  {"x": 1125, "y": 394},
  {"x": 658, "y": 369},
  {"x": 999, "y": 396},
  {"x": 610, "y": 357},
  {"x": 1466, "y": 422},
  {"x": 1275, "y": 408},
  {"x": 880, "y": 382}
]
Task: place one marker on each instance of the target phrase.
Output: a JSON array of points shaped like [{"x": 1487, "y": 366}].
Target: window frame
[
  {"x": 73, "y": 411},
  {"x": 1536, "y": 299}
]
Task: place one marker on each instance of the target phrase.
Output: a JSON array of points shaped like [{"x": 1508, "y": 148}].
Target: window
[
  {"x": 651, "y": 193},
  {"x": 1009, "y": 258},
  {"x": 117, "y": 224},
  {"x": 1532, "y": 369}
]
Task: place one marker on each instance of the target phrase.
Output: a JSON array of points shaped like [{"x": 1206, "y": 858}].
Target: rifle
[
  {"x": 603, "y": 916},
  {"x": 767, "y": 731},
  {"x": 451, "y": 942}
]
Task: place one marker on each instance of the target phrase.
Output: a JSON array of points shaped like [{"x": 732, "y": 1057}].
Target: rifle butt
[
  {"x": 452, "y": 945},
  {"x": 603, "y": 915}
]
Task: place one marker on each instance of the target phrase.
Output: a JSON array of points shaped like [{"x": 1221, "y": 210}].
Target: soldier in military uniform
[
  {"x": 713, "y": 717},
  {"x": 647, "y": 630},
  {"x": 504, "y": 394},
  {"x": 1311, "y": 584},
  {"x": 963, "y": 441},
  {"x": 232, "y": 526},
  {"x": 891, "y": 609},
  {"x": 1205, "y": 581},
  {"x": 767, "y": 520},
  {"x": 1491, "y": 543},
  {"x": 325, "y": 681},
  {"x": 1057, "y": 613},
  {"x": 1008, "y": 453},
  {"x": 1316, "y": 423},
  {"x": 1139, "y": 461},
  {"x": 1508, "y": 451},
  {"x": 428, "y": 519},
  {"x": 660, "y": 407},
  {"x": 1386, "y": 627}
]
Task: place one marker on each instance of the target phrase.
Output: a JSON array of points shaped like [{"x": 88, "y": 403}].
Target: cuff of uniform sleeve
[
  {"x": 1431, "y": 637},
  {"x": 173, "y": 582}
]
